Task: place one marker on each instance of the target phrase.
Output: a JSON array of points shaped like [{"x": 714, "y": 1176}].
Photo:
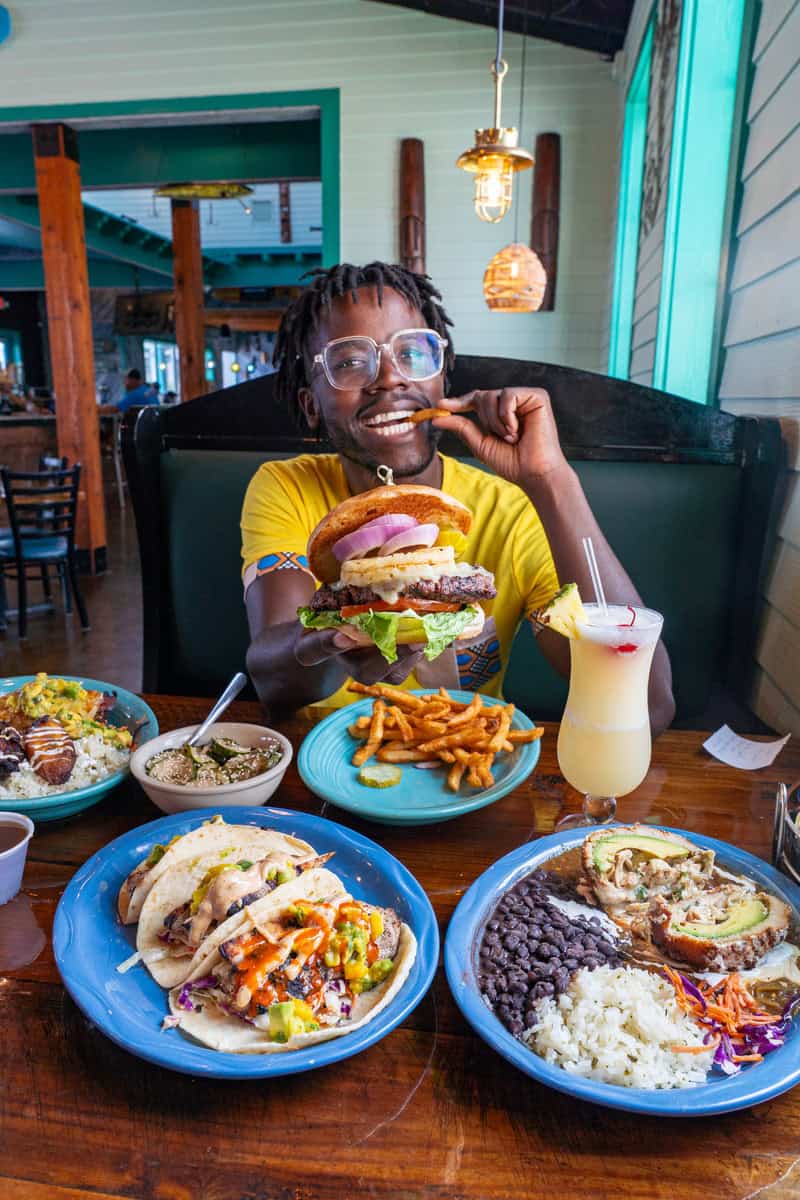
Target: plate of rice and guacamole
[{"x": 641, "y": 968}]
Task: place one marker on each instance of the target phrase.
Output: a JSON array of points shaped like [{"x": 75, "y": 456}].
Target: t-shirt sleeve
[
  {"x": 532, "y": 562},
  {"x": 274, "y": 530}
]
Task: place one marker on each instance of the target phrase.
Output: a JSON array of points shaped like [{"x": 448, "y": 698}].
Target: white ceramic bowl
[{"x": 172, "y": 797}]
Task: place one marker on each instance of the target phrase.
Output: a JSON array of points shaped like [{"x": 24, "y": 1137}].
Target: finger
[
  {"x": 399, "y": 671},
  {"x": 316, "y": 645},
  {"x": 507, "y": 410},
  {"x": 489, "y": 413},
  {"x": 460, "y": 404},
  {"x": 467, "y": 430}
]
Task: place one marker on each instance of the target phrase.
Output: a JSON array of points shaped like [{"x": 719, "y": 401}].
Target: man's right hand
[{"x": 313, "y": 647}]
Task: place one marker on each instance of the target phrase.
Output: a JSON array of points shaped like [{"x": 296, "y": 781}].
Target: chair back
[
  {"x": 41, "y": 504},
  {"x": 53, "y": 462}
]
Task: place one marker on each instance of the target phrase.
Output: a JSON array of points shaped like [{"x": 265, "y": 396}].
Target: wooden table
[{"x": 430, "y": 1111}]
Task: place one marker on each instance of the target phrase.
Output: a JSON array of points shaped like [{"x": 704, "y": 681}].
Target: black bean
[
  {"x": 545, "y": 951},
  {"x": 571, "y": 964},
  {"x": 516, "y": 1026},
  {"x": 511, "y": 941},
  {"x": 534, "y": 931},
  {"x": 590, "y": 962}
]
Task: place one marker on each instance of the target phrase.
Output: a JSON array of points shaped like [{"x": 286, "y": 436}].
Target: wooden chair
[
  {"x": 41, "y": 509},
  {"x": 686, "y": 495}
]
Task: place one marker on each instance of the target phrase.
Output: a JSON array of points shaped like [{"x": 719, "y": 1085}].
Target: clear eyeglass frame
[{"x": 378, "y": 348}]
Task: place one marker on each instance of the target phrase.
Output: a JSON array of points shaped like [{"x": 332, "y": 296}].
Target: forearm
[
  {"x": 566, "y": 517},
  {"x": 283, "y": 685}
]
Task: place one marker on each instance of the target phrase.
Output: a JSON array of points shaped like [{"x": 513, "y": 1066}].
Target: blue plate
[
  {"x": 777, "y": 1073},
  {"x": 129, "y": 710},
  {"x": 89, "y": 943},
  {"x": 421, "y": 797}
]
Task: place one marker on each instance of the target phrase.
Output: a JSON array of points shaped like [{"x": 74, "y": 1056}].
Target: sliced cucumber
[{"x": 380, "y": 775}]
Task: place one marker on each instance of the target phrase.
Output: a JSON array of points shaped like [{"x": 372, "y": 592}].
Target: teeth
[
  {"x": 394, "y": 429},
  {"x": 388, "y": 418}
]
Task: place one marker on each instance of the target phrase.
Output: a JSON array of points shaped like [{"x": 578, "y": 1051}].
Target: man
[
  {"x": 137, "y": 393},
  {"x": 530, "y": 514}
]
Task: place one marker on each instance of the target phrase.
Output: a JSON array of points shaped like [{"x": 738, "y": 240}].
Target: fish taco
[
  {"x": 307, "y": 964},
  {"x": 212, "y": 837},
  {"x": 198, "y": 896}
]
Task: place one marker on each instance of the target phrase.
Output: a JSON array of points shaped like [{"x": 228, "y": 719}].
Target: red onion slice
[
  {"x": 371, "y": 536},
  {"x": 420, "y": 536}
]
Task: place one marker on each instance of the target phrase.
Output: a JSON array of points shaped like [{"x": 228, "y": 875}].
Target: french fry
[
  {"x": 455, "y": 775},
  {"x": 428, "y": 414},
  {"x": 403, "y": 723},
  {"x": 443, "y": 692},
  {"x": 401, "y": 756},
  {"x": 375, "y": 735},
  {"x": 447, "y": 756},
  {"x": 470, "y": 712},
  {"x": 524, "y": 735},
  {"x": 502, "y": 729}
]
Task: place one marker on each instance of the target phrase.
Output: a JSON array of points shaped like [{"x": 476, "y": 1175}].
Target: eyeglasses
[{"x": 355, "y": 362}]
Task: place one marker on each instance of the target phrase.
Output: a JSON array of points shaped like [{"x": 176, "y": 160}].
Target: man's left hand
[{"x": 515, "y": 433}]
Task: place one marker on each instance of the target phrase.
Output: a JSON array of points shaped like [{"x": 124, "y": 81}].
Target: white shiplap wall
[
  {"x": 761, "y": 370},
  {"x": 401, "y": 73},
  {"x": 661, "y": 107}
]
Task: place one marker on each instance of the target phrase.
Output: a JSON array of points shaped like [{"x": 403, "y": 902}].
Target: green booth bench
[{"x": 686, "y": 496}]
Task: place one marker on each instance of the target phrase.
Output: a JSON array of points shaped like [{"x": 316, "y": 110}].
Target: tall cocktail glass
[{"x": 604, "y": 739}]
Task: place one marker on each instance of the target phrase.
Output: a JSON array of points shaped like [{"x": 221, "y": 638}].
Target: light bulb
[{"x": 493, "y": 185}]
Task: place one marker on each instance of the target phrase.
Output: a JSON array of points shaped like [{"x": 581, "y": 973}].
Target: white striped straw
[{"x": 594, "y": 571}]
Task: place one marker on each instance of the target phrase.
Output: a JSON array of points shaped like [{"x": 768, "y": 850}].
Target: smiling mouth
[{"x": 391, "y": 424}]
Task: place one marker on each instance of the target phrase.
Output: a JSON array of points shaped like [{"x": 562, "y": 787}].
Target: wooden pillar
[
  {"x": 69, "y": 322},
  {"x": 412, "y": 204},
  {"x": 545, "y": 210},
  {"x": 188, "y": 271}
]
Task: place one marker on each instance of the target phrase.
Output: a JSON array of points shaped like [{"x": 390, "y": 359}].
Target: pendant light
[
  {"x": 496, "y": 155},
  {"x": 515, "y": 280}
]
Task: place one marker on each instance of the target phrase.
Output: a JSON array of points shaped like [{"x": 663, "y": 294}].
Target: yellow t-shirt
[{"x": 287, "y": 498}]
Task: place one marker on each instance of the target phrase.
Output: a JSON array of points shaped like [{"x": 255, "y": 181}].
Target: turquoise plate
[
  {"x": 421, "y": 797},
  {"x": 128, "y": 710},
  {"x": 754, "y": 1084}
]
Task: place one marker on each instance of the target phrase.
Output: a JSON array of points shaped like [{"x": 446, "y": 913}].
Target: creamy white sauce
[
  {"x": 781, "y": 962},
  {"x": 573, "y": 908}
]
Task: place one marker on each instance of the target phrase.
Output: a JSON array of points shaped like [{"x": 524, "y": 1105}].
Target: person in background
[{"x": 137, "y": 393}]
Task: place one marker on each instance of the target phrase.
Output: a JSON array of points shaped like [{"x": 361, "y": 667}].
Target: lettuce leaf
[{"x": 438, "y": 629}]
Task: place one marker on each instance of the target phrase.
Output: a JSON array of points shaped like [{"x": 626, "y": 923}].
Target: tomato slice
[{"x": 420, "y": 606}]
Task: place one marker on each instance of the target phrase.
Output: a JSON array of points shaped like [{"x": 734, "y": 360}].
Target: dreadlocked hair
[{"x": 303, "y": 316}]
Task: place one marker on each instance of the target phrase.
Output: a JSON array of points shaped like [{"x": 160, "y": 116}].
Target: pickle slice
[{"x": 380, "y": 775}]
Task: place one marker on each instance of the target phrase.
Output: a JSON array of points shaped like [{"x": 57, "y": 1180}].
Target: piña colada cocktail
[{"x": 604, "y": 739}]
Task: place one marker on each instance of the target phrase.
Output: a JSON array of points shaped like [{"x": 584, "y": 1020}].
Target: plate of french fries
[{"x": 444, "y": 754}]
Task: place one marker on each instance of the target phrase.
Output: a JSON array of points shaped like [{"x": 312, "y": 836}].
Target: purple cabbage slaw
[
  {"x": 757, "y": 1039},
  {"x": 197, "y": 985}
]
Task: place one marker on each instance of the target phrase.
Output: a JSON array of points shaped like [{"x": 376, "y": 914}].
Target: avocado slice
[
  {"x": 743, "y": 916},
  {"x": 605, "y": 849},
  {"x": 281, "y": 1021}
]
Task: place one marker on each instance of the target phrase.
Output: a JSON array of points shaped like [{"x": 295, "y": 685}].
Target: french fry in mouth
[{"x": 427, "y": 414}]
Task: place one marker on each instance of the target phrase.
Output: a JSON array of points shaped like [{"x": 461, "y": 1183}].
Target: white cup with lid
[{"x": 12, "y": 859}]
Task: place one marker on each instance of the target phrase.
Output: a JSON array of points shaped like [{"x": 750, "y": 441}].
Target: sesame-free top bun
[{"x": 425, "y": 504}]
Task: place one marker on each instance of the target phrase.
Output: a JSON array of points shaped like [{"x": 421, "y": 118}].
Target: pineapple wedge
[{"x": 563, "y": 612}]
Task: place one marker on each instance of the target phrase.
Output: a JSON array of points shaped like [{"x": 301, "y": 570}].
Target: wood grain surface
[{"x": 428, "y": 1112}]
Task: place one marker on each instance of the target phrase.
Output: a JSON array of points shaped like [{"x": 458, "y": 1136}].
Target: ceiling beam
[
  {"x": 244, "y": 320},
  {"x": 589, "y": 26}
]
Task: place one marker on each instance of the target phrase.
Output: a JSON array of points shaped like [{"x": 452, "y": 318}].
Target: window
[
  {"x": 630, "y": 202},
  {"x": 162, "y": 365}
]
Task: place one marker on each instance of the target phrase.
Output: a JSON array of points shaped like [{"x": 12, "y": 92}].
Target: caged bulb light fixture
[{"x": 496, "y": 155}]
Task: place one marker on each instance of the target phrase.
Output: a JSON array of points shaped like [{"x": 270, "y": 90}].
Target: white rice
[
  {"x": 96, "y": 760},
  {"x": 617, "y": 1025}
]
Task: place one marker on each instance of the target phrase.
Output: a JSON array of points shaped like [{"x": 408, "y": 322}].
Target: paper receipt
[{"x": 741, "y": 752}]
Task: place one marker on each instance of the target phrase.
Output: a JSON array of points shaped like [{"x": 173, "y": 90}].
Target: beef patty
[{"x": 456, "y": 589}]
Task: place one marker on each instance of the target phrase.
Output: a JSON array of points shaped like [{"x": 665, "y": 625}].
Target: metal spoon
[{"x": 227, "y": 697}]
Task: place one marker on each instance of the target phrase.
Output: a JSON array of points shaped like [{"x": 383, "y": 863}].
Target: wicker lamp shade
[{"x": 515, "y": 280}]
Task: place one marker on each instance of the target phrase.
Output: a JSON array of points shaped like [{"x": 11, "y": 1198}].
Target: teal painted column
[{"x": 705, "y": 101}]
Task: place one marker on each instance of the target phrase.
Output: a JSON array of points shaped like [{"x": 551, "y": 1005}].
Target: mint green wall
[{"x": 399, "y": 74}]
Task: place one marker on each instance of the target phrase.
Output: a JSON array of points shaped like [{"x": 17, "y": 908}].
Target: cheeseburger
[{"x": 386, "y": 560}]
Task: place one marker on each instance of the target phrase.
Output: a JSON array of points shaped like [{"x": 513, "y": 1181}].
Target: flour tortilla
[
  {"x": 212, "y": 1027},
  {"x": 177, "y": 885},
  {"x": 211, "y": 837}
]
